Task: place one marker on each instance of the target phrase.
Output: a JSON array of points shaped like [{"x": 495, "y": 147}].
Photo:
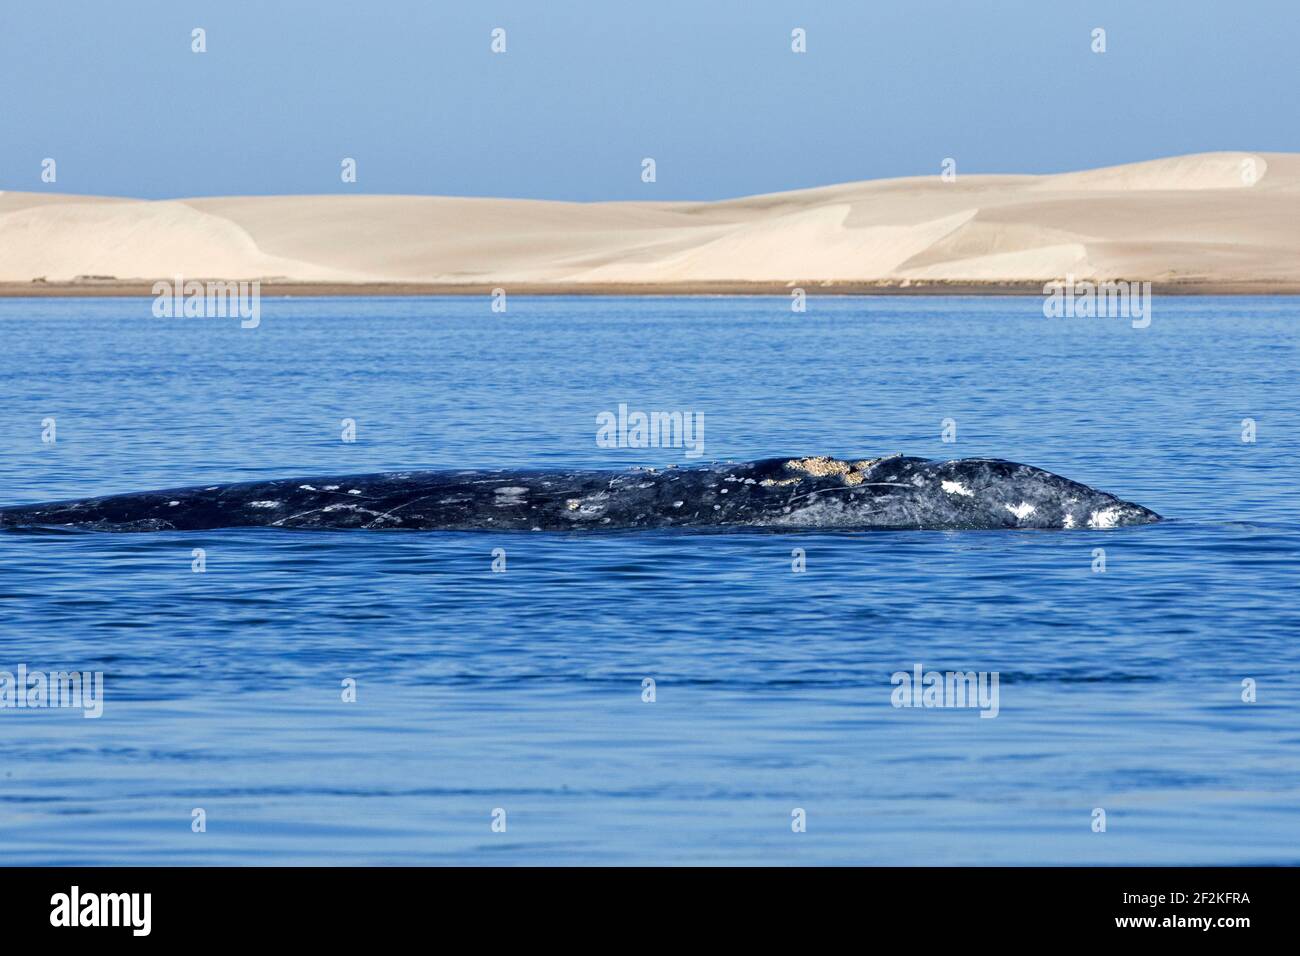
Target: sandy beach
[{"x": 1224, "y": 223}]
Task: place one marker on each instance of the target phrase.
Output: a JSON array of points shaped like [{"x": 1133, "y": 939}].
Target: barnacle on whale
[{"x": 822, "y": 466}]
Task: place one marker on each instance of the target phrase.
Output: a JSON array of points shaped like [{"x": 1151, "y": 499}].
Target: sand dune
[{"x": 1210, "y": 218}]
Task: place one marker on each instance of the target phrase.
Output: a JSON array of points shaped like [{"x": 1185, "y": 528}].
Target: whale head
[
  {"x": 1009, "y": 494},
  {"x": 904, "y": 492}
]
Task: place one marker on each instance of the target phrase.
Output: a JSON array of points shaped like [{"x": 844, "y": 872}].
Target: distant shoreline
[
  {"x": 277, "y": 288},
  {"x": 1205, "y": 224}
]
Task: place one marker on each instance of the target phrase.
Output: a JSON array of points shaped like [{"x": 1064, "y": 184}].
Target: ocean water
[{"x": 1119, "y": 690}]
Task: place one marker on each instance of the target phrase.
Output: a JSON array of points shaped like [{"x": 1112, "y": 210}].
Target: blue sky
[{"x": 586, "y": 89}]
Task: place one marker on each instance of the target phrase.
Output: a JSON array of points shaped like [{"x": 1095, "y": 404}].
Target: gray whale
[{"x": 792, "y": 494}]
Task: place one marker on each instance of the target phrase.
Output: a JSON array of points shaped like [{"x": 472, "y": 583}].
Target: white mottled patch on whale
[
  {"x": 172, "y": 504},
  {"x": 580, "y": 509},
  {"x": 957, "y": 488},
  {"x": 1022, "y": 510},
  {"x": 331, "y": 487},
  {"x": 356, "y": 508},
  {"x": 307, "y": 487},
  {"x": 264, "y": 504},
  {"x": 823, "y": 513},
  {"x": 1068, "y": 522},
  {"x": 1104, "y": 518}
]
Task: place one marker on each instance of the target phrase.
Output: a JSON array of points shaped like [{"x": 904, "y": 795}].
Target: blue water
[{"x": 522, "y": 690}]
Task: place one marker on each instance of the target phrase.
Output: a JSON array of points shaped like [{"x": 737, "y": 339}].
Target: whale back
[{"x": 813, "y": 493}]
